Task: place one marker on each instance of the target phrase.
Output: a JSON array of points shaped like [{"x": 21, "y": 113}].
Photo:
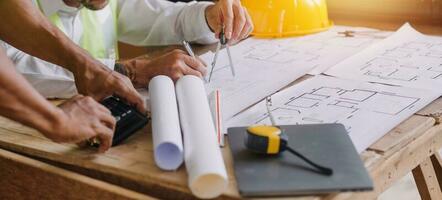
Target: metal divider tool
[{"x": 222, "y": 43}]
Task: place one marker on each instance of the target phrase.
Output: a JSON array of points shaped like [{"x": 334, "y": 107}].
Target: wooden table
[{"x": 33, "y": 166}]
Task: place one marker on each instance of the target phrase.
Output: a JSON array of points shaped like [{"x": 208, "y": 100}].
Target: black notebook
[{"x": 287, "y": 175}]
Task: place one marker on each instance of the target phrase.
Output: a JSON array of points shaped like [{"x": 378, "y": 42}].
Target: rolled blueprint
[
  {"x": 202, "y": 155},
  {"x": 166, "y": 131}
]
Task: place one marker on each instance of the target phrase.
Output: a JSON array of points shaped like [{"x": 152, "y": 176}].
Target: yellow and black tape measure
[
  {"x": 271, "y": 140},
  {"x": 266, "y": 139}
]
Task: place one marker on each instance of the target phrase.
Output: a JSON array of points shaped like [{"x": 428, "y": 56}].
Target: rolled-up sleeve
[{"x": 159, "y": 22}]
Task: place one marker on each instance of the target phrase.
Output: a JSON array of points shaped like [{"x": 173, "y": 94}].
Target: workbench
[{"x": 31, "y": 166}]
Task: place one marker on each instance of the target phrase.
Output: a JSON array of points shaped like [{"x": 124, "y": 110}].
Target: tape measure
[
  {"x": 266, "y": 139},
  {"x": 271, "y": 140}
]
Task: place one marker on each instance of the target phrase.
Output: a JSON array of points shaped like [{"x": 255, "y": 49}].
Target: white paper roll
[
  {"x": 166, "y": 132},
  {"x": 202, "y": 155}
]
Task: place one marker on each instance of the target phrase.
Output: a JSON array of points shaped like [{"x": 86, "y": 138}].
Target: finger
[
  {"x": 227, "y": 14},
  {"x": 202, "y": 61},
  {"x": 195, "y": 64},
  {"x": 77, "y": 96},
  {"x": 137, "y": 101},
  {"x": 105, "y": 136},
  {"x": 82, "y": 144},
  {"x": 108, "y": 120},
  {"x": 190, "y": 71},
  {"x": 71, "y": 100},
  {"x": 248, "y": 27},
  {"x": 245, "y": 32},
  {"x": 177, "y": 76},
  {"x": 102, "y": 108},
  {"x": 134, "y": 99},
  {"x": 219, "y": 27},
  {"x": 239, "y": 22},
  {"x": 127, "y": 90}
]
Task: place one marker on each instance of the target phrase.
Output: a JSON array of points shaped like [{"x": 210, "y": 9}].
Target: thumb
[{"x": 227, "y": 18}]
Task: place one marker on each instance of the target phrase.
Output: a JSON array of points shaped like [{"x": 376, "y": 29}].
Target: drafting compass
[{"x": 222, "y": 44}]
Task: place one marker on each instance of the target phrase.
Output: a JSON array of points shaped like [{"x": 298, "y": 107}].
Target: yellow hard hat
[{"x": 281, "y": 18}]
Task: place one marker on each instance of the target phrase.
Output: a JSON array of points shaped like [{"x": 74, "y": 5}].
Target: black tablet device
[{"x": 286, "y": 175}]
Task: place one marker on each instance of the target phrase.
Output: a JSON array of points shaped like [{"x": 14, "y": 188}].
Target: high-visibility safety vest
[{"x": 93, "y": 38}]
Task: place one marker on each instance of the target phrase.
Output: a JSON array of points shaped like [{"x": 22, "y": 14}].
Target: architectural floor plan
[
  {"x": 407, "y": 58},
  {"x": 321, "y": 50},
  {"x": 254, "y": 79},
  {"x": 264, "y": 66},
  {"x": 367, "y": 110}
]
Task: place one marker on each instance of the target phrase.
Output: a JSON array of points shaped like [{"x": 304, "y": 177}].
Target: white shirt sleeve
[
  {"x": 50, "y": 80},
  {"x": 159, "y": 22}
]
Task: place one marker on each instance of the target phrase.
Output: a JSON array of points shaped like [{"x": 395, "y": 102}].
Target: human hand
[
  {"x": 83, "y": 118},
  {"x": 174, "y": 64},
  {"x": 99, "y": 82},
  {"x": 233, "y": 16}
]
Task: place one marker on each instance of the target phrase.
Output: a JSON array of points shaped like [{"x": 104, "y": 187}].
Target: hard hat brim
[{"x": 292, "y": 33}]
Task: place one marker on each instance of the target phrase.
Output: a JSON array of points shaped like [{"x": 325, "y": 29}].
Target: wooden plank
[
  {"x": 370, "y": 158},
  {"x": 390, "y": 167},
  {"x": 129, "y": 165},
  {"x": 426, "y": 180},
  {"x": 131, "y": 162},
  {"x": 437, "y": 164},
  {"x": 25, "y": 178},
  {"x": 405, "y": 132},
  {"x": 433, "y": 110}
]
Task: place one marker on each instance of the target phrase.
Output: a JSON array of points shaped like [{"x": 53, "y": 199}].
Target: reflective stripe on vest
[{"x": 92, "y": 38}]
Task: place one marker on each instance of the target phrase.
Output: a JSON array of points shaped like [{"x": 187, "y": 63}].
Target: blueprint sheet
[
  {"x": 407, "y": 58},
  {"x": 263, "y": 66},
  {"x": 254, "y": 80},
  {"x": 324, "y": 50},
  {"x": 367, "y": 110}
]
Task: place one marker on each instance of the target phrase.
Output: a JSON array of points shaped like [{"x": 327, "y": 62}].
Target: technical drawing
[
  {"x": 280, "y": 56},
  {"x": 357, "y": 95},
  {"x": 260, "y": 54},
  {"x": 391, "y": 104},
  {"x": 392, "y": 74},
  {"x": 380, "y": 62},
  {"x": 416, "y": 45},
  {"x": 367, "y": 110},
  {"x": 230, "y": 88},
  {"x": 218, "y": 69},
  {"x": 327, "y": 91},
  {"x": 344, "y": 104},
  {"x": 436, "y": 47},
  {"x": 306, "y": 100},
  {"x": 339, "y": 40},
  {"x": 433, "y": 54},
  {"x": 399, "y": 63},
  {"x": 334, "y": 104},
  {"x": 436, "y": 68},
  {"x": 281, "y": 114},
  {"x": 398, "y": 53},
  {"x": 308, "y": 50}
]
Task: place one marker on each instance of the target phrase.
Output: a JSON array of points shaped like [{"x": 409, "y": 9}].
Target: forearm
[
  {"x": 20, "y": 102},
  {"x": 28, "y": 30}
]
